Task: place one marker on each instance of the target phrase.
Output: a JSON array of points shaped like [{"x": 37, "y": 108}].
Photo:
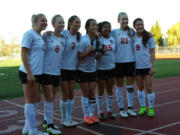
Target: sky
[{"x": 16, "y": 14}]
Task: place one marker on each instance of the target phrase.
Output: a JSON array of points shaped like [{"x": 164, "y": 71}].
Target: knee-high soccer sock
[
  {"x": 85, "y": 106},
  {"x": 141, "y": 98},
  {"x": 70, "y": 109},
  {"x": 26, "y": 128},
  {"x": 109, "y": 102},
  {"x": 30, "y": 116},
  {"x": 151, "y": 98},
  {"x": 63, "y": 108},
  {"x": 119, "y": 97},
  {"x": 92, "y": 104},
  {"x": 48, "y": 112},
  {"x": 130, "y": 95},
  {"x": 100, "y": 104}
]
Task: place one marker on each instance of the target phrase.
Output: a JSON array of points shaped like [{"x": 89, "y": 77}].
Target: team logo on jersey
[
  {"x": 138, "y": 47},
  {"x": 57, "y": 48}
]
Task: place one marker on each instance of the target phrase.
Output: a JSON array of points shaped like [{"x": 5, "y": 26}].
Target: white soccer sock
[
  {"x": 36, "y": 106},
  {"x": 92, "y": 104},
  {"x": 70, "y": 109},
  {"x": 109, "y": 102},
  {"x": 151, "y": 98},
  {"x": 141, "y": 98},
  {"x": 85, "y": 106},
  {"x": 100, "y": 104},
  {"x": 119, "y": 97},
  {"x": 26, "y": 128},
  {"x": 30, "y": 116},
  {"x": 130, "y": 95},
  {"x": 48, "y": 112},
  {"x": 63, "y": 108}
]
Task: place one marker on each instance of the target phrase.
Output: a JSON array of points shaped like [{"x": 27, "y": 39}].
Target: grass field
[{"x": 10, "y": 85}]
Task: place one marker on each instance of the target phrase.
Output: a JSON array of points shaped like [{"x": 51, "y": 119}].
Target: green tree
[
  {"x": 174, "y": 35},
  {"x": 156, "y": 31}
]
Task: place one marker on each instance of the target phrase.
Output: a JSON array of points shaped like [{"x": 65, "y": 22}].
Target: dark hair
[
  {"x": 88, "y": 23},
  {"x": 70, "y": 20},
  {"x": 145, "y": 34},
  {"x": 101, "y": 24}
]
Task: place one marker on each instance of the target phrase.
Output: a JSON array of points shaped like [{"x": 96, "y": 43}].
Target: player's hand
[
  {"x": 48, "y": 33},
  {"x": 30, "y": 78},
  {"x": 90, "y": 50},
  {"x": 152, "y": 71}
]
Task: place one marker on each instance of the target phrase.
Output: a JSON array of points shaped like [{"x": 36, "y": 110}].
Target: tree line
[{"x": 171, "y": 38}]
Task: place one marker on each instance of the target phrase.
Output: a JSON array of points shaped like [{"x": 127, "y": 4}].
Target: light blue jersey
[
  {"x": 36, "y": 45},
  {"x": 107, "y": 62},
  {"x": 53, "y": 54},
  {"x": 142, "y": 53},
  {"x": 124, "y": 46},
  {"x": 69, "y": 58},
  {"x": 88, "y": 63}
]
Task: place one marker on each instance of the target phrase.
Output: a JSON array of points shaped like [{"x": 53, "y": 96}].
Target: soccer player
[
  {"x": 51, "y": 71},
  {"x": 86, "y": 71},
  {"x": 68, "y": 69},
  {"x": 125, "y": 66},
  {"x": 30, "y": 72},
  {"x": 106, "y": 70},
  {"x": 144, "y": 49}
]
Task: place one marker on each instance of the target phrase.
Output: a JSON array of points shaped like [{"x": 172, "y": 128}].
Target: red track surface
[{"x": 166, "y": 121}]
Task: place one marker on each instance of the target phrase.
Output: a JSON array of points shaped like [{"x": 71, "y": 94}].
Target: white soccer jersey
[
  {"x": 69, "y": 58},
  {"x": 36, "y": 45},
  {"x": 142, "y": 53},
  {"x": 107, "y": 62},
  {"x": 88, "y": 63},
  {"x": 53, "y": 54},
  {"x": 124, "y": 46}
]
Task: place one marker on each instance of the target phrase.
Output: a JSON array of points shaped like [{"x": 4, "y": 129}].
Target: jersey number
[
  {"x": 109, "y": 47},
  {"x": 138, "y": 47},
  {"x": 124, "y": 41},
  {"x": 57, "y": 49}
]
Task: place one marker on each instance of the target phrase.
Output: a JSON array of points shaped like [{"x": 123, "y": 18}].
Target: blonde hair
[
  {"x": 35, "y": 18},
  {"x": 55, "y": 18},
  {"x": 130, "y": 30}
]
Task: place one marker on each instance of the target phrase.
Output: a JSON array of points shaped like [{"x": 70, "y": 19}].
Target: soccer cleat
[
  {"x": 102, "y": 116},
  {"x": 151, "y": 112},
  {"x": 142, "y": 111},
  {"x": 74, "y": 123},
  {"x": 123, "y": 114},
  {"x": 44, "y": 126},
  {"x": 88, "y": 120},
  {"x": 25, "y": 132},
  {"x": 95, "y": 119},
  {"x": 53, "y": 130},
  {"x": 40, "y": 133},
  {"x": 111, "y": 116},
  {"x": 67, "y": 123},
  {"x": 131, "y": 112}
]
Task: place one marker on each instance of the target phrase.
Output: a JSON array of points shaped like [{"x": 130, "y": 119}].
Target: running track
[{"x": 166, "y": 121}]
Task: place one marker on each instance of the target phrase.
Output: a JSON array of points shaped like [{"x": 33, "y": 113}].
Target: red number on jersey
[
  {"x": 57, "y": 48},
  {"x": 110, "y": 47},
  {"x": 124, "y": 41},
  {"x": 73, "y": 45},
  {"x": 138, "y": 47}
]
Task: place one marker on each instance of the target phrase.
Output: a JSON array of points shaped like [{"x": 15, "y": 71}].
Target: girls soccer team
[{"x": 99, "y": 57}]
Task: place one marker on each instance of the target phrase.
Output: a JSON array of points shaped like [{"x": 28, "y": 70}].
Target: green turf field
[{"x": 10, "y": 86}]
